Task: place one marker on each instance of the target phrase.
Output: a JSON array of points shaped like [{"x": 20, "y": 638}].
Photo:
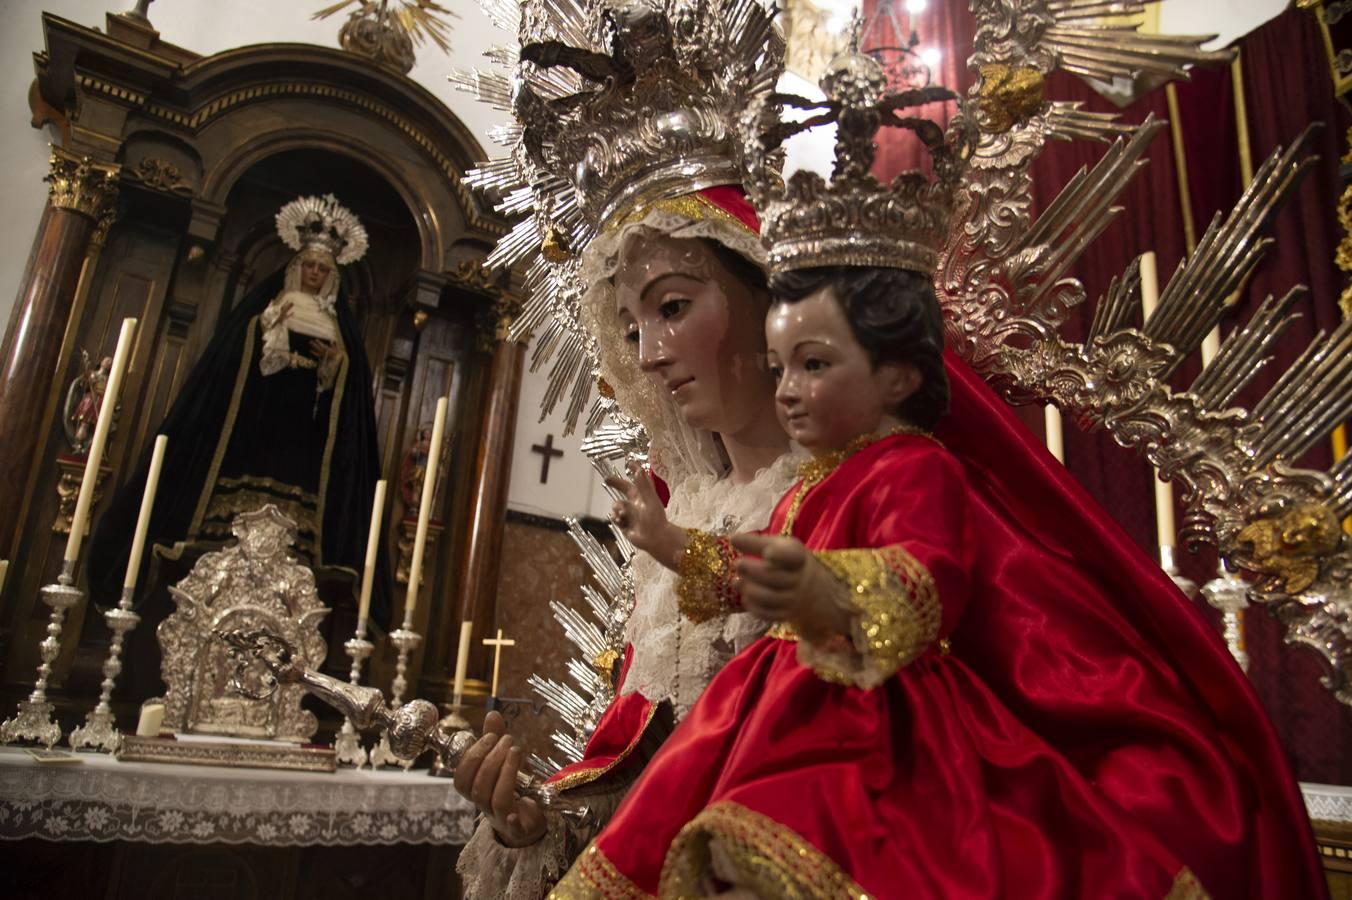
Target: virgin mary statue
[{"x": 278, "y": 410}]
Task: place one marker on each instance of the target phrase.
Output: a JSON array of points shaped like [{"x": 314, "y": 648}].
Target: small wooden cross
[
  {"x": 547, "y": 451},
  {"x": 497, "y": 644}
]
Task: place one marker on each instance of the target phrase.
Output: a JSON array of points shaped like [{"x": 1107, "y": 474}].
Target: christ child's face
[
  {"x": 828, "y": 391},
  {"x": 696, "y": 329},
  {"x": 314, "y": 271}
]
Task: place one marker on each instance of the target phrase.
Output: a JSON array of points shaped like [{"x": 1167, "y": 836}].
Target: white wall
[
  {"x": 1229, "y": 20},
  {"x": 574, "y": 487}
]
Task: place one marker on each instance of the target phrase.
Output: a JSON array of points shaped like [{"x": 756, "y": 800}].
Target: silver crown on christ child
[
  {"x": 854, "y": 220},
  {"x": 650, "y": 104},
  {"x": 322, "y": 223}
]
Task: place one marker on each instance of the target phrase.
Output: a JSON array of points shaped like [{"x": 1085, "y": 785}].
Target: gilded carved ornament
[
  {"x": 1287, "y": 547},
  {"x": 1009, "y": 95},
  {"x": 80, "y": 184}
]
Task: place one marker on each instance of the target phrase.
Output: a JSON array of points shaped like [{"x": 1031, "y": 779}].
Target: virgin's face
[
  {"x": 697, "y": 330},
  {"x": 314, "y": 271}
]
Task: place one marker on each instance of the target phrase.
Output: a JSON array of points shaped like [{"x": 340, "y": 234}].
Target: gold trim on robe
[
  {"x": 754, "y": 852},
  {"x": 593, "y": 877},
  {"x": 897, "y": 616}
]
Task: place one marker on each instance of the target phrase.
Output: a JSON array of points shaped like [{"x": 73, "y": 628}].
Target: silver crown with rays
[
  {"x": 325, "y": 224},
  {"x": 853, "y": 219},
  {"x": 617, "y": 104}
]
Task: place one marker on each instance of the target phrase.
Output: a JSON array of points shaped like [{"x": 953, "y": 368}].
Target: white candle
[
  {"x": 152, "y": 717},
  {"x": 425, "y": 512},
  {"x": 138, "y": 542},
  {"x": 1211, "y": 345},
  {"x": 368, "y": 574},
  {"x": 462, "y": 662},
  {"x": 121, "y": 357},
  {"x": 1150, "y": 284},
  {"x": 1056, "y": 442},
  {"x": 1164, "y": 492}
]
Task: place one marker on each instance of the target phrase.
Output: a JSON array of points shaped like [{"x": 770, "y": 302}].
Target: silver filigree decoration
[{"x": 256, "y": 584}]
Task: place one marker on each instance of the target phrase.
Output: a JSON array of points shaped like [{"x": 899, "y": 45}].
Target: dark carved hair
[{"x": 894, "y": 315}]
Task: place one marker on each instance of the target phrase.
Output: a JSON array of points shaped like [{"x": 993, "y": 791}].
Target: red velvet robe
[{"x": 925, "y": 787}]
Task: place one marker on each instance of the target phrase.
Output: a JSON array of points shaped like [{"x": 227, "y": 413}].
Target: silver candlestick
[
  {"x": 1230, "y": 594},
  {"x": 1185, "y": 584},
  {"x": 348, "y": 746},
  {"x": 34, "y": 721},
  {"x": 100, "y": 728},
  {"x": 406, "y": 640}
]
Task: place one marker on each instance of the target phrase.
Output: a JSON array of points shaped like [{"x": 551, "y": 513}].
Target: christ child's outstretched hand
[{"x": 780, "y": 581}]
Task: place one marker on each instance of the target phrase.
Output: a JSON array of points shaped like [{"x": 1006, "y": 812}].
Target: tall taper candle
[
  {"x": 138, "y": 541},
  {"x": 1056, "y": 438},
  {"x": 368, "y": 575},
  {"x": 1164, "y": 492},
  {"x": 461, "y": 662},
  {"x": 4, "y": 570},
  {"x": 425, "y": 512},
  {"x": 121, "y": 357}
]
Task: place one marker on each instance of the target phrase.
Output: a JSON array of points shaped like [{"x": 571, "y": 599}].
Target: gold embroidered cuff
[
  {"x": 755, "y": 853},
  {"x": 704, "y": 590},
  {"x": 897, "y": 615}
]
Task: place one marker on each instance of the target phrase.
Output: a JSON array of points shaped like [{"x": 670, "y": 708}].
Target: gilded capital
[{"x": 80, "y": 184}]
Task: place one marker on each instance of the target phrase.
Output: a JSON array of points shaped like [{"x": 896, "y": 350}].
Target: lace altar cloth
[{"x": 101, "y": 799}]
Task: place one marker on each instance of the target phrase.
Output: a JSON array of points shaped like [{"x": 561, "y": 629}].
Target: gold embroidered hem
[
  {"x": 585, "y": 776},
  {"x": 898, "y": 616},
  {"x": 755, "y": 853},
  {"x": 704, "y": 590},
  {"x": 1187, "y": 887},
  {"x": 593, "y": 877}
]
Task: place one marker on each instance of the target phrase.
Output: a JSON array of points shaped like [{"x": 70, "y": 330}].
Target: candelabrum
[
  {"x": 410, "y": 728},
  {"x": 33, "y": 721},
  {"x": 347, "y": 747},
  {"x": 1185, "y": 584},
  {"x": 406, "y": 640},
  {"x": 1229, "y": 593},
  {"x": 100, "y": 728}
]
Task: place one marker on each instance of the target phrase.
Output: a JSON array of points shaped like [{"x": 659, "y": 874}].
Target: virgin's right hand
[
  {"x": 486, "y": 777},
  {"x": 640, "y": 516}
]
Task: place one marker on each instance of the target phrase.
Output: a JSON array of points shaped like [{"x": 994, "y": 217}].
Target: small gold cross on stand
[{"x": 497, "y": 644}]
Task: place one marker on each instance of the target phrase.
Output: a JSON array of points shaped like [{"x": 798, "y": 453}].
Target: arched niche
[{"x": 207, "y": 150}]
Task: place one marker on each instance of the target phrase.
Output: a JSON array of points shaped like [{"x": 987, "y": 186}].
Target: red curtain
[{"x": 1287, "y": 85}]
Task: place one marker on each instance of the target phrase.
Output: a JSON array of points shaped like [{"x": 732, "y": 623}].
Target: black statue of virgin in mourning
[{"x": 278, "y": 410}]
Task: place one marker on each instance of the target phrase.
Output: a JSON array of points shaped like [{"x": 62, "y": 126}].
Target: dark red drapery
[{"x": 1286, "y": 86}]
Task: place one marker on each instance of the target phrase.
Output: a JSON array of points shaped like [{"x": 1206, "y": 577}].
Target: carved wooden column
[
  {"x": 492, "y": 471},
  {"x": 82, "y": 194}
]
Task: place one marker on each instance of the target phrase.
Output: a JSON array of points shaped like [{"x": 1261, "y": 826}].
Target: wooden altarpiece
[{"x": 167, "y": 169}]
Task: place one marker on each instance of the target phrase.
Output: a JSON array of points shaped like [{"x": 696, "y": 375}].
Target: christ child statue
[{"x": 848, "y": 753}]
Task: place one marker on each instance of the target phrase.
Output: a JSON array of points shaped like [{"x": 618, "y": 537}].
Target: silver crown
[
  {"x": 663, "y": 122},
  {"x": 322, "y": 223},
  {"x": 853, "y": 220}
]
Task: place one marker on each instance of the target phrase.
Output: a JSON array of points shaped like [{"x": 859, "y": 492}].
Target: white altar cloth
[{"x": 101, "y": 799}]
